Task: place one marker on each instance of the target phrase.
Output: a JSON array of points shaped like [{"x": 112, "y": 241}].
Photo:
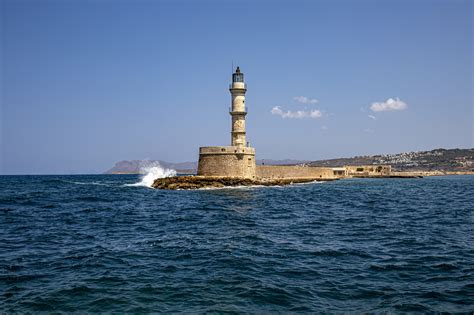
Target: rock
[{"x": 196, "y": 182}]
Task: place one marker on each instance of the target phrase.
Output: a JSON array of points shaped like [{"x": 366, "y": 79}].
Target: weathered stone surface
[
  {"x": 293, "y": 171},
  {"x": 227, "y": 161},
  {"x": 196, "y": 182}
]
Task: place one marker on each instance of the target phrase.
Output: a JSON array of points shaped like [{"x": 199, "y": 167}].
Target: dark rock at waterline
[{"x": 196, "y": 182}]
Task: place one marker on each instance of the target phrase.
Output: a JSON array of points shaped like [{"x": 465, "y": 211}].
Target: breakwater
[{"x": 199, "y": 182}]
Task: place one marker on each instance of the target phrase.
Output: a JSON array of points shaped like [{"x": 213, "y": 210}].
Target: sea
[{"x": 110, "y": 243}]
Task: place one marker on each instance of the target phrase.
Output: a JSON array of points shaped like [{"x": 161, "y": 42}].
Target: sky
[{"x": 87, "y": 83}]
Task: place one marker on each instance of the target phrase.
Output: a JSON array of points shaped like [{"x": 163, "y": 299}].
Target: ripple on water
[{"x": 91, "y": 244}]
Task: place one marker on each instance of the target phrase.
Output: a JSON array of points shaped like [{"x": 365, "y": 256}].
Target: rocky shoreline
[{"x": 197, "y": 182}]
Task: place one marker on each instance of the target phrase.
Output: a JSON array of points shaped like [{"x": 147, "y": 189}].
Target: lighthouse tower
[
  {"x": 238, "y": 159},
  {"x": 238, "y": 110}
]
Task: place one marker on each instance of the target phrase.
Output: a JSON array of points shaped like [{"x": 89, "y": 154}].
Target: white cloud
[
  {"x": 305, "y": 100},
  {"x": 368, "y": 130},
  {"x": 389, "y": 105},
  {"x": 315, "y": 113},
  {"x": 296, "y": 114},
  {"x": 324, "y": 127},
  {"x": 372, "y": 117}
]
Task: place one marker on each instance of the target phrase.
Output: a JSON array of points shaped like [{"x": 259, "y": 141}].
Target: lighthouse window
[{"x": 238, "y": 77}]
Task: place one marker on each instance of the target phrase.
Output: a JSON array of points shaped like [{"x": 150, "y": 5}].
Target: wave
[
  {"x": 151, "y": 172},
  {"x": 258, "y": 186},
  {"x": 230, "y": 187},
  {"x": 88, "y": 183}
]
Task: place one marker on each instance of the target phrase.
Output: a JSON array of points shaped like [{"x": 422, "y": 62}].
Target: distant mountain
[
  {"x": 140, "y": 166},
  {"x": 438, "y": 159}
]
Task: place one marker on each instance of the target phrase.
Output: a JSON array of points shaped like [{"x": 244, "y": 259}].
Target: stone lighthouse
[{"x": 238, "y": 159}]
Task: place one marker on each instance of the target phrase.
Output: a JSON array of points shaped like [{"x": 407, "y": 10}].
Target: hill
[
  {"x": 140, "y": 166},
  {"x": 438, "y": 159}
]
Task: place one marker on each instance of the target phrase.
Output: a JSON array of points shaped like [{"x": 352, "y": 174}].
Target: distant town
[{"x": 446, "y": 160}]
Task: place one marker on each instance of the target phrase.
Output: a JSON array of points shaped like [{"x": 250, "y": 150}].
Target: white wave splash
[{"x": 152, "y": 171}]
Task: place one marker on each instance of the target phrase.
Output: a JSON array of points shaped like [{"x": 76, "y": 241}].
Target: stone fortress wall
[
  {"x": 303, "y": 171},
  {"x": 227, "y": 161},
  {"x": 368, "y": 170},
  {"x": 293, "y": 171}
]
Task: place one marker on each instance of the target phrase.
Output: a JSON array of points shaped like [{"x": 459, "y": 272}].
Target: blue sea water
[{"x": 94, "y": 244}]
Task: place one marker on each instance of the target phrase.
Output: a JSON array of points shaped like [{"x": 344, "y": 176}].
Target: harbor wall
[
  {"x": 368, "y": 170},
  {"x": 294, "y": 171}
]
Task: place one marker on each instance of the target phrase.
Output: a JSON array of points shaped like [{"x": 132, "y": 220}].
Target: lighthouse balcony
[
  {"x": 238, "y": 86},
  {"x": 238, "y": 111}
]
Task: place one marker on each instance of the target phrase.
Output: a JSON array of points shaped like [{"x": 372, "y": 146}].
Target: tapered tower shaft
[{"x": 238, "y": 109}]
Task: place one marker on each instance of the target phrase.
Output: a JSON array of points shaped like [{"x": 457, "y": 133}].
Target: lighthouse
[
  {"x": 238, "y": 159},
  {"x": 238, "y": 110}
]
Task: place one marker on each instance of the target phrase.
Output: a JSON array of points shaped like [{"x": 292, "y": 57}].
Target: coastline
[{"x": 191, "y": 182}]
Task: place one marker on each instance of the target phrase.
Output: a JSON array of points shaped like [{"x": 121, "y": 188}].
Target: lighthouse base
[{"x": 227, "y": 161}]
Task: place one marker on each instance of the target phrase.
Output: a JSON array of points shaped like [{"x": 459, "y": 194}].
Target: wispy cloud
[
  {"x": 389, "y": 105},
  {"x": 368, "y": 130},
  {"x": 372, "y": 117},
  {"x": 305, "y": 100},
  {"x": 315, "y": 113}
]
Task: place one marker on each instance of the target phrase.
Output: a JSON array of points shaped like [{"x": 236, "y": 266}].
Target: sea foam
[{"x": 152, "y": 171}]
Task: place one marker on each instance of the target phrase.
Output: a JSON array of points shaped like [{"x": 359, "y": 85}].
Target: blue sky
[{"x": 88, "y": 83}]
